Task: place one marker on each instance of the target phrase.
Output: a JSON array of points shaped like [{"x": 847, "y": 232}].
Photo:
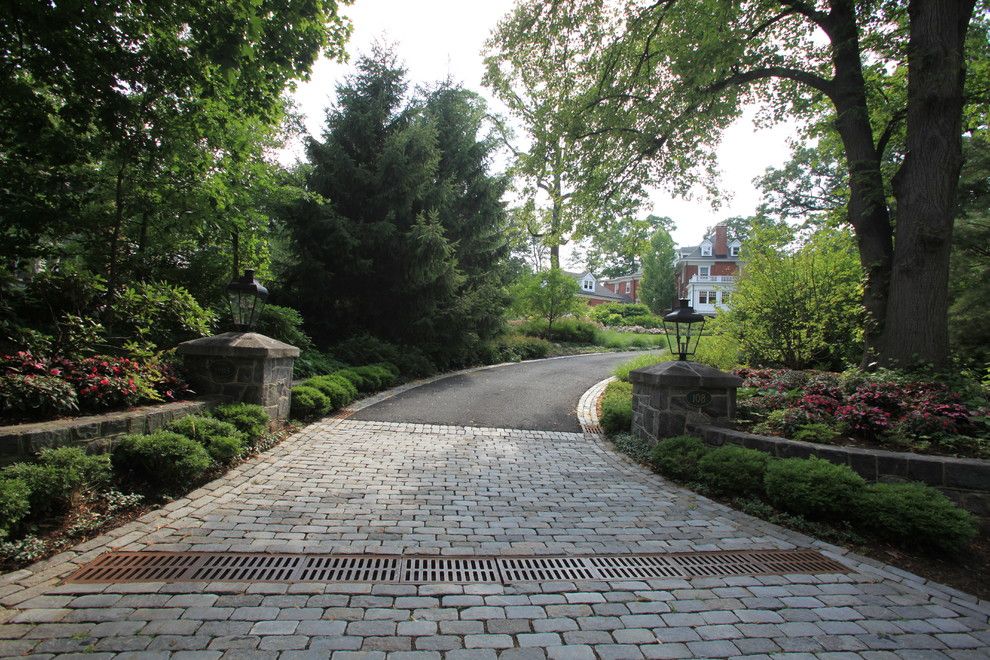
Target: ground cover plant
[
  {"x": 66, "y": 495},
  {"x": 892, "y": 410}
]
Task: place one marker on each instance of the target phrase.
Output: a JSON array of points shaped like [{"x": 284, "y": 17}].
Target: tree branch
[{"x": 888, "y": 130}]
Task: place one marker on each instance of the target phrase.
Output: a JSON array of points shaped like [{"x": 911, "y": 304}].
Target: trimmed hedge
[
  {"x": 57, "y": 476},
  {"x": 678, "y": 457},
  {"x": 221, "y": 440},
  {"x": 734, "y": 470},
  {"x": 617, "y": 408},
  {"x": 813, "y": 487},
  {"x": 162, "y": 463},
  {"x": 913, "y": 514},
  {"x": 248, "y": 418},
  {"x": 15, "y": 503},
  {"x": 308, "y": 402},
  {"x": 337, "y": 389}
]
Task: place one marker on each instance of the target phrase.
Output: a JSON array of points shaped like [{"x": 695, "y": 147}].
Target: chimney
[{"x": 720, "y": 246}]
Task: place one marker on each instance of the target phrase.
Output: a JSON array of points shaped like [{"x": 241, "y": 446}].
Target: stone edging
[
  {"x": 860, "y": 563},
  {"x": 587, "y": 410}
]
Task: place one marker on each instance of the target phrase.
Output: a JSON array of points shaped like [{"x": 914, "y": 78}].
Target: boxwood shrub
[
  {"x": 617, "y": 408},
  {"x": 915, "y": 515},
  {"x": 734, "y": 470},
  {"x": 249, "y": 418},
  {"x": 355, "y": 379},
  {"x": 162, "y": 463},
  {"x": 308, "y": 402},
  {"x": 678, "y": 457},
  {"x": 222, "y": 440},
  {"x": 813, "y": 487},
  {"x": 339, "y": 390},
  {"x": 57, "y": 476}
]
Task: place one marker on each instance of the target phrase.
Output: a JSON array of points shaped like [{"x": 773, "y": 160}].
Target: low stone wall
[
  {"x": 22, "y": 441},
  {"x": 964, "y": 480}
]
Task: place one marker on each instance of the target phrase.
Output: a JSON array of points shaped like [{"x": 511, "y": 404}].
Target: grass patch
[{"x": 623, "y": 340}]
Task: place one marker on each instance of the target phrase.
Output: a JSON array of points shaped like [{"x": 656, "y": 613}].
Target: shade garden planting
[
  {"x": 910, "y": 524},
  {"x": 66, "y": 494}
]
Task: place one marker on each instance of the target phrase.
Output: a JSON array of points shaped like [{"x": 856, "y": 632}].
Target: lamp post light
[
  {"x": 687, "y": 326},
  {"x": 247, "y": 298}
]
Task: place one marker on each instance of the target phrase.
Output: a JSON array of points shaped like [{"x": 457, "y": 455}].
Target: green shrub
[
  {"x": 15, "y": 503},
  {"x": 158, "y": 315},
  {"x": 816, "y": 432},
  {"x": 566, "y": 330},
  {"x": 915, "y": 515},
  {"x": 357, "y": 380},
  {"x": 367, "y": 349},
  {"x": 36, "y": 397},
  {"x": 79, "y": 469},
  {"x": 377, "y": 377},
  {"x": 339, "y": 390},
  {"x": 617, "y": 408},
  {"x": 734, "y": 470},
  {"x": 646, "y": 360},
  {"x": 813, "y": 487},
  {"x": 389, "y": 367},
  {"x": 678, "y": 457},
  {"x": 308, "y": 402},
  {"x": 248, "y": 418},
  {"x": 221, "y": 440},
  {"x": 163, "y": 462},
  {"x": 522, "y": 347},
  {"x": 284, "y": 324},
  {"x": 315, "y": 363},
  {"x": 622, "y": 340}
]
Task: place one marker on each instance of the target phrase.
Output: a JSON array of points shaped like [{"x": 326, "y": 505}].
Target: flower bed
[
  {"x": 36, "y": 388},
  {"x": 885, "y": 410}
]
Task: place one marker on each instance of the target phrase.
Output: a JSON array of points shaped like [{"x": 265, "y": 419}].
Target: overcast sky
[{"x": 437, "y": 38}]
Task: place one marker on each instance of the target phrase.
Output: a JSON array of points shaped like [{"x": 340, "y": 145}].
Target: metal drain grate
[{"x": 152, "y": 566}]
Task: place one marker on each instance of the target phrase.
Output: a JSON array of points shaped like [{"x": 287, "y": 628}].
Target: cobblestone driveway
[{"x": 352, "y": 486}]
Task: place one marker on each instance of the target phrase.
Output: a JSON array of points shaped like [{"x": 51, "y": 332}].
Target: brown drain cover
[{"x": 151, "y": 566}]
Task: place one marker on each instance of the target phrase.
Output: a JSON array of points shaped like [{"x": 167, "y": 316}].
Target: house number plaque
[{"x": 698, "y": 398}]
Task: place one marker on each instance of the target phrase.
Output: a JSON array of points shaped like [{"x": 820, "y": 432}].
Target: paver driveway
[{"x": 359, "y": 486}]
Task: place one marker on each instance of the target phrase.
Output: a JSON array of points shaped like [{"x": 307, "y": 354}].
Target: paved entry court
[{"x": 351, "y": 486}]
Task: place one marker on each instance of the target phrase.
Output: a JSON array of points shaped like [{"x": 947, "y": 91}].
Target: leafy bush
[
  {"x": 367, "y": 349},
  {"x": 249, "y": 418},
  {"x": 105, "y": 382},
  {"x": 58, "y": 475},
  {"x": 816, "y": 432},
  {"x": 315, "y": 363},
  {"x": 284, "y": 324},
  {"x": 617, "y": 408},
  {"x": 337, "y": 389},
  {"x": 357, "y": 380},
  {"x": 913, "y": 514},
  {"x": 522, "y": 347},
  {"x": 36, "y": 397},
  {"x": 734, "y": 470},
  {"x": 158, "y": 315},
  {"x": 308, "y": 402},
  {"x": 221, "y": 440},
  {"x": 615, "y": 339},
  {"x": 625, "y": 314},
  {"x": 163, "y": 462},
  {"x": 566, "y": 330},
  {"x": 646, "y": 360},
  {"x": 678, "y": 457},
  {"x": 813, "y": 487},
  {"x": 15, "y": 503}
]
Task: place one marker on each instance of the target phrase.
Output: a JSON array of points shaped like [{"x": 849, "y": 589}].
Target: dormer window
[
  {"x": 706, "y": 249},
  {"x": 588, "y": 284},
  {"x": 734, "y": 248}
]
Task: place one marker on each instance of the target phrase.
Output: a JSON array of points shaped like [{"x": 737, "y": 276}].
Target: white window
[
  {"x": 706, "y": 249},
  {"x": 629, "y": 287},
  {"x": 704, "y": 271},
  {"x": 706, "y": 297},
  {"x": 588, "y": 285},
  {"x": 734, "y": 250}
]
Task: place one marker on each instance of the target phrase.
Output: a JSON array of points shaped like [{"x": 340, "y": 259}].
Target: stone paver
[{"x": 351, "y": 486}]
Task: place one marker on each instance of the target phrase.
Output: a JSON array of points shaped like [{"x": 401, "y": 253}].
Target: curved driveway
[{"x": 539, "y": 395}]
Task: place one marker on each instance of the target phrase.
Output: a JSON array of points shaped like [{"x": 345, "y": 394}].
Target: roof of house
[
  {"x": 693, "y": 252},
  {"x": 600, "y": 291}
]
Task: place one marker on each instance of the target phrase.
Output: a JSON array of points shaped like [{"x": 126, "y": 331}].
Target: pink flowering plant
[{"x": 885, "y": 409}]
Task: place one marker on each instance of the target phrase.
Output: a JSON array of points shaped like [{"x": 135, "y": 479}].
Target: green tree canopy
[
  {"x": 549, "y": 296},
  {"x": 658, "y": 288}
]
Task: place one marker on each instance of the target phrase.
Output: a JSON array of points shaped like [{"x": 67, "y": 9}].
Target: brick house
[
  {"x": 626, "y": 285},
  {"x": 595, "y": 292},
  {"x": 706, "y": 274}
]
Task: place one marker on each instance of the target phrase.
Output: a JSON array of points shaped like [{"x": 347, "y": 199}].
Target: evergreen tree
[
  {"x": 657, "y": 289},
  {"x": 402, "y": 234}
]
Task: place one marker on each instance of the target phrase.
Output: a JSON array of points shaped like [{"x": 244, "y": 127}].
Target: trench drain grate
[{"x": 154, "y": 566}]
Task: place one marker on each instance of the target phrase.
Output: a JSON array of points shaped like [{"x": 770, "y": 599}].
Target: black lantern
[
  {"x": 247, "y": 297},
  {"x": 686, "y": 325}
]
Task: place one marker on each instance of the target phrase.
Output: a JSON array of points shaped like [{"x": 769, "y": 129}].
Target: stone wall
[
  {"x": 965, "y": 481},
  {"x": 23, "y": 441}
]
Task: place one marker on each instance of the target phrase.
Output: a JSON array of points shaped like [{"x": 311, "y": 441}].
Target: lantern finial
[{"x": 687, "y": 326}]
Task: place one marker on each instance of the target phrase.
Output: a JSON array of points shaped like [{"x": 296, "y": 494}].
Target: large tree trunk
[
  {"x": 925, "y": 186},
  {"x": 868, "y": 212}
]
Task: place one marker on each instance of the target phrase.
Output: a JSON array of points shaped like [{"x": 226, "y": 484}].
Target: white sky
[{"x": 437, "y": 38}]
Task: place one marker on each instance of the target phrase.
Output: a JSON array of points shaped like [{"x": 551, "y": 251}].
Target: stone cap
[
  {"x": 238, "y": 344},
  {"x": 684, "y": 374}
]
